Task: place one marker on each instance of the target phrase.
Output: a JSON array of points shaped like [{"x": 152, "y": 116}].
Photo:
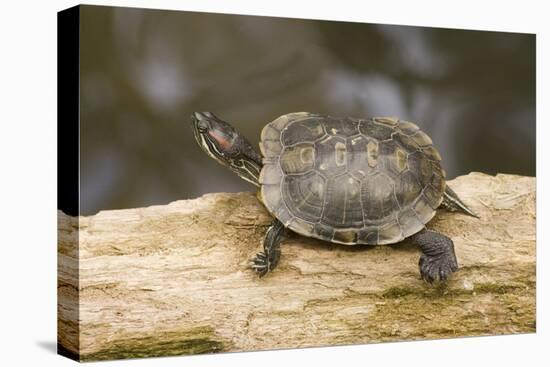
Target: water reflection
[{"x": 143, "y": 72}]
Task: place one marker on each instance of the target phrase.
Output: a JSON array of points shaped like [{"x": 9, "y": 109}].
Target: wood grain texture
[{"x": 174, "y": 279}]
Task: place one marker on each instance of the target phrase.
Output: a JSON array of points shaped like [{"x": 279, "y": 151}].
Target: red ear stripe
[{"x": 221, "y": 138}]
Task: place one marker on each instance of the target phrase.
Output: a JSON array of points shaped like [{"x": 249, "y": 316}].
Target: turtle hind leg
[
  {"x": 268, "y": 259},
  {"x": 438, "y": 259},
  {"x": 452, "y": 203}
]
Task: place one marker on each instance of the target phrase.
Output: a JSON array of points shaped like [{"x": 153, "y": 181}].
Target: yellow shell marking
[
  {"x": 340, "y": 152},
  {"x": 372, "y": 153},
  {"x": 295, "y": 160},
  {"x": 401, "y": 159},
  {"x": 307, "y": 155}
]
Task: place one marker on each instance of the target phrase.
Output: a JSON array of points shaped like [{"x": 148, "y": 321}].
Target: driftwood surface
[{"x": 175, "y": 279}]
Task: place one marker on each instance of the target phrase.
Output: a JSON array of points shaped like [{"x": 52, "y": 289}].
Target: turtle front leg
[
  {"x": 438, "y": 259},
  {"x": 268, "y": 259}
]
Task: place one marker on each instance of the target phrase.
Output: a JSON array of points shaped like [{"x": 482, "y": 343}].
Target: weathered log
[{"x": 175, "y": 279}]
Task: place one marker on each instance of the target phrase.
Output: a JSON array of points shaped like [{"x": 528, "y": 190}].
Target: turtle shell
[{"x": 351, "y": 181}]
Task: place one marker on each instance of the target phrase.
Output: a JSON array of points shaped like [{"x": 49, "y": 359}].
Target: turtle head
[{"x": 226, "y": 145}]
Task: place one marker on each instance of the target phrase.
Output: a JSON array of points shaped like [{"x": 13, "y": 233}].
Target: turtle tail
[{"x": 452, "y": 202}]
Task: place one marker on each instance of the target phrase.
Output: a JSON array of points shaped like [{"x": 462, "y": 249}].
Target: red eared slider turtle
[{"x": 371, "y": 181}]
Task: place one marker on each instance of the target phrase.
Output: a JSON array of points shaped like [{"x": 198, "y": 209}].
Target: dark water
[{"x": 144, "y": 72}]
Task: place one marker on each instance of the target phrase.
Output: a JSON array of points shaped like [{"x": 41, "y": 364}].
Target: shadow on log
[{"x": 175, "y": 279}]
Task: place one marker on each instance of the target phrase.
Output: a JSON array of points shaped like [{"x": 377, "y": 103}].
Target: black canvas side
[
  {"x": 68, "y": 164},
  {"x": 68, "y": 111}
]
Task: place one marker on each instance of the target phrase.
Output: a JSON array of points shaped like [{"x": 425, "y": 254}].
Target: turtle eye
[{"x": 202, "y": 126}]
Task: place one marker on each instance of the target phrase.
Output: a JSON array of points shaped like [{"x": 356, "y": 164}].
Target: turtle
[{"x": 345, "y": 180}]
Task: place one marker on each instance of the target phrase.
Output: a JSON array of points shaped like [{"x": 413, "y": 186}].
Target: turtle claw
[
  {"x": 434, "y": 268},
  {"x": 438, "y": 259},
  {"x": 260, "y": 255},
  {"x": 265, "y": 261},
  {"x": 260, "y": 264}
]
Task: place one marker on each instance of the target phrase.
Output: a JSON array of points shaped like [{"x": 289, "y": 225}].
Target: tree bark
[{"x": 174, "y": 279}]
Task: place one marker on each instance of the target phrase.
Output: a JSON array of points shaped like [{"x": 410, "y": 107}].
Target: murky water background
[{"x": 144, "y": 72}]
